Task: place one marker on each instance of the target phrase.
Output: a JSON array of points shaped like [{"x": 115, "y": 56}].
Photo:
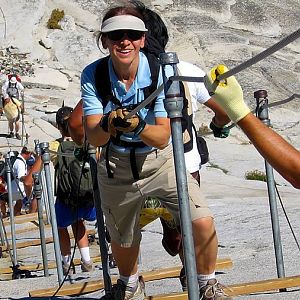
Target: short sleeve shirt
[{"x": 92, "y": 102}]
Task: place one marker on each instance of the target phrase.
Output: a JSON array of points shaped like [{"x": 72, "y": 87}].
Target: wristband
[{"x": 141, "y": 126}]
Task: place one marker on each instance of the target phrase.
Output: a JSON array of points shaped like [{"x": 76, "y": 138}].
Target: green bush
[
  {"x": 256, "y": 175},
  {"x": 55, "y": 17}
]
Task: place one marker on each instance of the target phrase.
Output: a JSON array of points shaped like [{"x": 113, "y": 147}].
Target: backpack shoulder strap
[{"x": 102, "y": 82}]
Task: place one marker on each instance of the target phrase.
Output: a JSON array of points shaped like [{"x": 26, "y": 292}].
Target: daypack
[
  {"x": 12, "y": 161},
  {"x": 12, "y": 90},
  {"x": 103, "y": 87},
  {"x": 73, "y": 182}
]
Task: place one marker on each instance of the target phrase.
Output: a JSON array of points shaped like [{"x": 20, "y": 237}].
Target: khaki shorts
[{"x": 123, "y": 197}]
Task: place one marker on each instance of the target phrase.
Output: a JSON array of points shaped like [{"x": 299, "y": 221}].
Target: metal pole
[
  {"x": 37, "y": 189},
  {"x": 100, "y": 222},
  {"x": 2, "y": 230},
  {"x": 44, "y": 199},
  {"x": 263, "y": 115},
  {"x": 11, "y": 209},
  {"x": 46, "y": 160},
  {"x": 22, "y": 112},
  {"x": 174, "y": 104}
]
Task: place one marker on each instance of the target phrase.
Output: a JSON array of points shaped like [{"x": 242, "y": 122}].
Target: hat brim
[{"x": 124, "y": 22}]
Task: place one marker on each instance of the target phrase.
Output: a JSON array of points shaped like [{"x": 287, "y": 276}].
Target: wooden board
[
  {"x": 242, "y": 288},
  {"x": 23, "y": 219},
  {"x": 92, "y": 286},
  {"x": 39, "y": 266},
  {"x": 37, "y": 242}
]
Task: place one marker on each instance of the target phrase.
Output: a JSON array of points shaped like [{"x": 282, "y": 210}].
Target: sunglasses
[{"x": 118, "y": 35}]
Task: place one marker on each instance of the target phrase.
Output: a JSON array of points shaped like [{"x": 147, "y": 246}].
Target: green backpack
[{"x": 73, "y": 179}]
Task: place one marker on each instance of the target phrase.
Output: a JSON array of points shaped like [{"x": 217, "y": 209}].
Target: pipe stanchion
[
  {"x": 100, "y": 222},
  {"x": 11, "y": 209},
  {"x": 37, "y": 189},
  {"x": 263, "y": 114},
  {"x": 174, "y": 104},
  {"x": 46, "y": 160}
]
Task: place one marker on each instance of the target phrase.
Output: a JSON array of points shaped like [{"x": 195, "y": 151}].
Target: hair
[
  {"x": 154, "y": 23},
  {"x": 62, "y": 116},
  {"x": 25, "y": 150}
]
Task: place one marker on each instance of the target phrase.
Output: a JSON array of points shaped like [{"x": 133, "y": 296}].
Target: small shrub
[
  {"x": 55, "y": 17},
  {"x": 256, "y": 175}
]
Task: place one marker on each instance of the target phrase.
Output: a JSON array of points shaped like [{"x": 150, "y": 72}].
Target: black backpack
[
  {"x": 103, "y": 87},
  {"x": 2, "y": 167},
  {"x": 73, "y": 179}
]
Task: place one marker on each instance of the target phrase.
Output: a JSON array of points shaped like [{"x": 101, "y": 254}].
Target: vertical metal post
[
  {"x": 37, "y": 189},
  {"x": 2, "y": 228},
  {"x": 263, "y": 114},
  {"x": 44, "y": 199},
  {"x": 11, "y": 208},
  {"x": 100, "y": 221},
  {"x": 174, "y": 104},
  {"x": 46, "y": 160}
]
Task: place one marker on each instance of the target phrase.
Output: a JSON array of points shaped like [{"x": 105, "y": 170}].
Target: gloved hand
[
  {"x": 227, "y": 93},
  {"x": 219, "y": 131},
  {"x": 118, "y": 122}
]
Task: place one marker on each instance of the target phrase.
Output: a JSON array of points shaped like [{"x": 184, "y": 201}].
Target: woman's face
[{"x": 124, "y": 45}]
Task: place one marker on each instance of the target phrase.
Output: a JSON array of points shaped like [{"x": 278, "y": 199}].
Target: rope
[{"x": 287, "y": 40}]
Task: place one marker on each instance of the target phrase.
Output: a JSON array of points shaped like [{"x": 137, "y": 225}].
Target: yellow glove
[{"x": 227, "y": 93}]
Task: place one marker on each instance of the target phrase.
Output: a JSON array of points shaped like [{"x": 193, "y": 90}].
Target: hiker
[
  {"x": 138, "y": 160},
  {"x": 271, "y": 146},
  {"x": 73, "y": 205},
  {"x": 158, "y": 35},
  {"x": 18, "y": 173},
  {"x": 12, "y": 93}
]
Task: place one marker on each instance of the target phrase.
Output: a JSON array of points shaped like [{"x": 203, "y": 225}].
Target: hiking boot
[
  {"x": 120, "y": 292},
  {"x": 183, "y": 281},
  {"x": 87, "y": 266},
  {"x": 18, "y": 137},
  {"x": 66, "y": 269},
  {"x": 171, "y": 240},
  {"x": 213, "y": 290},
  {"x": 10, "y": 135}
]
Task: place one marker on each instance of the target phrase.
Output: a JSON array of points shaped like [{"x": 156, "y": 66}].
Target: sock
[
  {"x": 131, "y": 282},
  {"x": 202, "y": 279},
  {"x": 85, "y": 254},
  {"x": 66, "y": 259}
]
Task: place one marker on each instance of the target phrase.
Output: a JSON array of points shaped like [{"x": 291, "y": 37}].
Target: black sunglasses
[{"x": 118, "y": 35}]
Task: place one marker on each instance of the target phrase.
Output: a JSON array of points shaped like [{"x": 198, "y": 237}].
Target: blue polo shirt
[{"x": 92, "y": 102}]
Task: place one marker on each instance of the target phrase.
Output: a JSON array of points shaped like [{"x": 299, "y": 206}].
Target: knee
[{"x": 204, "y": 224}]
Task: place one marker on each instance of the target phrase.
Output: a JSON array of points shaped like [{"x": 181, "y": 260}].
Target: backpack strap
[{"x": 102, "y": 83}]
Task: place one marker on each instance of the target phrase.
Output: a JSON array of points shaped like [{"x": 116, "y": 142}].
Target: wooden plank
[
  {"x": 23, "y": 219},
  {"x": 92, "y": 286},
  {"x": 51, "y": 265},
  {"x": 243, "y": 288},
  {"x": 37, "y": 242}
]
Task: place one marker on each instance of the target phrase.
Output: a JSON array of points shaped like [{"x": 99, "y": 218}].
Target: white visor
[{"x": 123, "y": 22}]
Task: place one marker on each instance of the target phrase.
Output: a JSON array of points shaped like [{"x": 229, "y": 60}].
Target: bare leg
[
  {"x": 33, "y": 206},
  {"x": 64, "y": 240},
  {"x": 11, "y": 126},
  {"x": 18, "y": 207},
  {"x": 206, "y": 245},
  {"x": 80, "y": 234},
  {"x": 126, "y": 258},
  {"x": 3, "y": 208},
  {"x": 17, "y": 126}
]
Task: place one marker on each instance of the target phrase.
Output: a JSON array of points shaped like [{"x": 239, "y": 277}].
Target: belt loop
[
  {"x": 133, "y": 164},
  {"x": 110, "y": 174}
]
